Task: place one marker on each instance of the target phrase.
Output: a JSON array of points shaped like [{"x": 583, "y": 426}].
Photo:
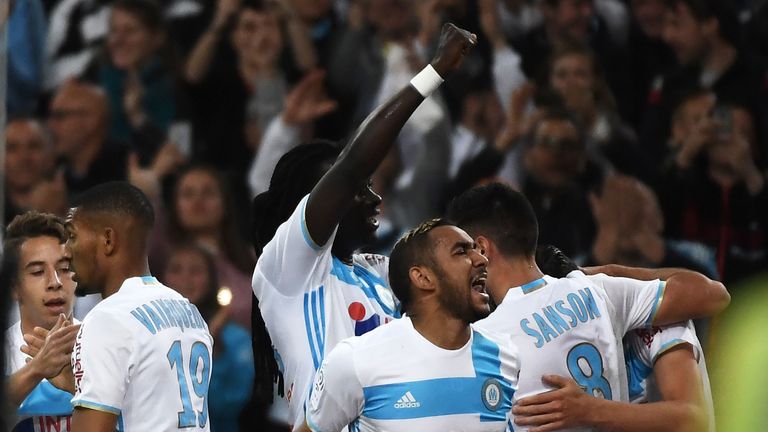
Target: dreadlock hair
[
  {"x": 413, "y": 249},
  {"x": 296, "y": 173}
]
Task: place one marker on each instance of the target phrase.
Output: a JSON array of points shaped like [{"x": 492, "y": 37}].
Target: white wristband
[{"x": 427, "y": 81}]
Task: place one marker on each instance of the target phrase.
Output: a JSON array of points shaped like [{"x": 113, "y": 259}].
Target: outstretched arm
[
  {"x": 687, "y": 294},
  {"x": 335, "y": 192}
]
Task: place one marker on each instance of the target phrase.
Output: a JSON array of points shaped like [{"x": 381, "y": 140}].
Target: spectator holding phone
[{"x": 712, "y": 189}]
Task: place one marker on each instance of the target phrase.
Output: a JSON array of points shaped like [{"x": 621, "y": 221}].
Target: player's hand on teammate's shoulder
[
  {"x": 455, "y": 44},
  {"x": 565, "y": 407}
]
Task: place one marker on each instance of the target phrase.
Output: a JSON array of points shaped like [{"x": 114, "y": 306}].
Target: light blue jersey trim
[
  {"x": 312, "y": 426},
  {"x": 304, "y": 230},
  {"x": 656, "y": 303},
  {"x": 446, "y": 396},
  {"x": 668, "y": 346},
  {"x": 359, "y": 276},
  {"x": 533, "y": 286},
  {"x": 637, "y": 373},
  {"x": 149, "y": 280},
  {"x": 46, "y": 400},
  {"x": 120, "y": 423},
  {"x": 314, "y": 322},
  {"x": 96, "y": 406}
]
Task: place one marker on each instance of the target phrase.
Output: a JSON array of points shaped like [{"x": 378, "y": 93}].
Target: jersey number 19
[{"x": 198, "y": 357}]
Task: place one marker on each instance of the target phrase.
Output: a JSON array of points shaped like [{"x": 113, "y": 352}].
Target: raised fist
[
  {"x": 455, "y": 44},
  {"x": 552, "y": 261}
]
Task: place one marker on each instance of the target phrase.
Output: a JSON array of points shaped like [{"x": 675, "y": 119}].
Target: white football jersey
[
  {"x": 574, "y": 327},
  {"x": 393, "y": 379},
  {"x": 310, "y": 301},
  {"x": 144, "y": 354},
  {"x": 642, "y": 347},
  {"x": 45, "y": 408}
]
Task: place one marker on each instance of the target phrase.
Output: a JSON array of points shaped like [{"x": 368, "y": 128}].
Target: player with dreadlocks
[{"x": 312, "y": 289}]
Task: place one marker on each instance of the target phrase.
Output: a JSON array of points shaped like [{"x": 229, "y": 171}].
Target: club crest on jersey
[{"x": 491, "y": 394}]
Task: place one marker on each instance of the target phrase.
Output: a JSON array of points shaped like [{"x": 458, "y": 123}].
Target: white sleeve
[
  {"x": 668, "y": 337},
  {"x": 508, "y": 74},
  {"x": 291, "y": 260},
  {"x": 635, "y": 302},
  {"x": 277, "y": 140},
  {"x": 101, "y": 361},
  {"x": 336, "y": 398}
]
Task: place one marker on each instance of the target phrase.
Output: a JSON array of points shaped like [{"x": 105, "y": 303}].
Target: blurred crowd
[{"x": 638, "y": 129}]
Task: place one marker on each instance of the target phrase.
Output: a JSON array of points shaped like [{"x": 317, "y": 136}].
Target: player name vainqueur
[
  {"x": 161, "y": 314},
  {"x": 560, "y": 317}
]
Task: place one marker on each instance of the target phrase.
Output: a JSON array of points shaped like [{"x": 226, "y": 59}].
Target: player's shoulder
[
  {"x": 372, "y": 261},
  {"x": 380, "y": 338}
]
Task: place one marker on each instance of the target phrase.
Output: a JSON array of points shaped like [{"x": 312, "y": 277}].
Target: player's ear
[
  {"x": 109, "y": 241},
  {"x": 422, "y": 278},
  {"x": 484, "y": 244}
]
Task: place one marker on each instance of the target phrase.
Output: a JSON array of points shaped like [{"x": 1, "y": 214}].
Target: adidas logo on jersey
[{"x": 407, "y": 401}]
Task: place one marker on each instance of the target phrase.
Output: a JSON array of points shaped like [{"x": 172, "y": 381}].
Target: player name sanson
[
  {"x": 161, "y": 314},
  {"x": 563, "y": 315}
]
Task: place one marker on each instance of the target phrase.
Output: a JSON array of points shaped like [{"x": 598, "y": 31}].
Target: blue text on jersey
[
  {"x": 161, "y": 314},
  {"x": 563, "y": 315}
]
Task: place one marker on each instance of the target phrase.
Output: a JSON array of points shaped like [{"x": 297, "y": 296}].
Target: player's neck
[
  {"x": 440, "y": 328},
  {"x": 519, "y": 271},
  {"x": 27, "y": 325},
  {"x": 128, "y": 270}
]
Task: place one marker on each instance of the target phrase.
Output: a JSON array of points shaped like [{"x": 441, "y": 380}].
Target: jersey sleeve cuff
[
  {"x": 656, "y": 303},
  {"x": 96, "y": 406},
  {"x": 304, "y": 230},
  {"x": 668, "y": 346}
]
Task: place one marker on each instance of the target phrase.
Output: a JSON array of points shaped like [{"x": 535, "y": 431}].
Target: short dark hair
[
  {"x": 414, "y": 248},
  {"x": 117, "y": 198},
  {"x": 721, "y": 10},
  {"x": 557, "y": 112},
  {"x": 23, "y": 227},
  {"x": 500, "y": 213}
]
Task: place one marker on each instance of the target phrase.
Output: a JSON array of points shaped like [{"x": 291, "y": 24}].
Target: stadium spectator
[
  {"x": 202, "y": 212},
  {"x": 705, "y": 37},
  {"x": 575, "y": 76},
  {"x": 136, "y": 72},
  {"x": 554, "y": 171},
  {"x": 25, "y": 57},
  {"x": 191, "y": 271},
  {"x": 712, "y": 190},
  {"x": 29, "y": 161},
  {"x": 578, "y": 20},
  {"x": 651, "y": 57},
  {"x": 237, "y": 56},
  {"x": 79, "y": 124}
]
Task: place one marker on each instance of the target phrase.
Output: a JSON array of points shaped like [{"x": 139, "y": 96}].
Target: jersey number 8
[
  {"x": 198, "y": 354},
  {"x": 591, "y": 380}
]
